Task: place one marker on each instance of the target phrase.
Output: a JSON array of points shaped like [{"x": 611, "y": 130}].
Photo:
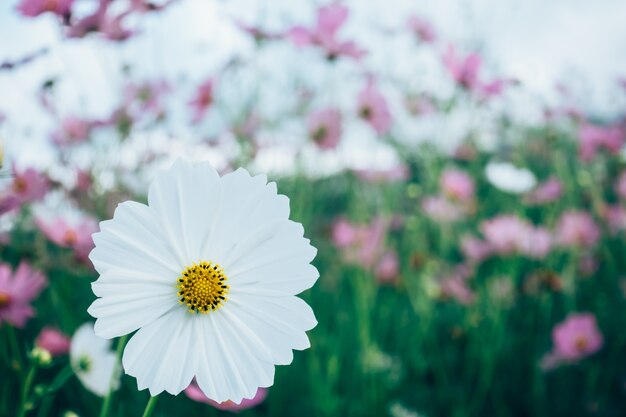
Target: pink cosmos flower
[
  {"x": 577, "y": 228},
  {"x": 620, "y": 186},
  {"x": 17, "y": 291},
  {"x": 325, "y": 128},
  {"x": 577, "y": 337},
  {"x": 373, "y": 108},
  {"x": 203, "y": 100},
  {"x": 54, "y": 341},
  {"x": 370, "y": 244},
  {"x": 344, "y": 233},
  {"x": 72, "y": 130},
  {"x": 457, "y": 184},
  {"x": 465, "y": 71},
  {"x": 593, "y": 138},
  {"x": 33, "y": 8},
  {"x": 615, "y": 217},
  {"x": 455, "y": 286},
  {"x": 75, "y": 235},
  {"x": 474, "y": 249},
  {"x": 394, "y": 174},
  {"x": 330, "y": 19},
  {"x": 550, "y": 190},
  {"x": 442, "y": 210},
  {"x": 388, "y": 268},
  {"x": 509, "y": 234},
  {"x": 422, "y": 29},
  {"x": 29, "y": 185},
  {"x": 194, "y": 393}
]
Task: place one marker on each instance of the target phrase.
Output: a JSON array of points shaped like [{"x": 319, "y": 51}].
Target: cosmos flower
[
  {"x": 93, "y": 361},
  {"x": 373, "y": 108},
  {"x": 208, "y": 274},
  {"x": 577, "y": 228},
  {"x": 577, "y": 337},
  {"x": 508, "y": 234},
  {"x": 422, "y": 29},
  {"x": 72, "y": 130},
  {"x": 508, "y": 178},
  {"x": 17, "y": 291},
  {"x": 54, "y": 341},
  {"x": 194, "y": 392},
  {"x": 202, "y": 100},
  {"x": 33, "y": 8},
  {"x": 325, "y": 128},
  {"x": 457, "y": 184},
  {"x": 442, "y": 210},
  {"x": 546, "y": 192},
  {"x": 28, "y": 186},
  {"x": 594, "y": 138},
  {"x": 74, "y": 233}
]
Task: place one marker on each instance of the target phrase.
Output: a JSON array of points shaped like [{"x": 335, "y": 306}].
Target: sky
[{"x": 541, "y": 43}]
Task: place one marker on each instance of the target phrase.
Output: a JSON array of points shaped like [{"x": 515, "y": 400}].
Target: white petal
[{"x": 163, "y": 355}]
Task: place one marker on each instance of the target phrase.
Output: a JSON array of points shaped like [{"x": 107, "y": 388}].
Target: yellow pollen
[{"x": 202, "y": 287}]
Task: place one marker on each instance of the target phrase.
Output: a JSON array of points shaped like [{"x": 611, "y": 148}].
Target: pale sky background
[{"x": 579, "y": 42}]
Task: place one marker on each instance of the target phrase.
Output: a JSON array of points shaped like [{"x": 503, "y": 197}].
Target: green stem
[
  {"x": 106, "y": 405},
  {"x": 150, "y": 406},
  {"x": 26, "y": 388},
  {"x": 60, "y": 380},
  {"x": 16, "y": 363}
]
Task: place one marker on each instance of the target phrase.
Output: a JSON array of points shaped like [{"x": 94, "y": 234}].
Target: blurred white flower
[
  {"x": 507, "y": 177},
  {"x": 93, "y": 361},
  {"x": 208, "y": 274}
]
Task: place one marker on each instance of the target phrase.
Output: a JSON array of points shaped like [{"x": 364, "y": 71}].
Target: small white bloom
[
  {"x": 507, "y": 177},
  {"x": 93, "y": 360},
  {"x": 208, "y": 274}
]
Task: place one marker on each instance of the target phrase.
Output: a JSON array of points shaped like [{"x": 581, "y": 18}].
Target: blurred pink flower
[
  {"x": 577, "y": 228},
  {"x": 388, "y": 268},
  {"x": 594, "y": 137},
  {"x": 203, "y": 100},
  {"x": 455, "y": 286},
  {"x": 344, "y": 233},
  {"x": 457, "y": 184},
  {"x": 325, "y": 128},
  {"x": 475, "y": 249},
  {"x": 72, "y": 130},
  {"x": 508, "y": 234},
  {"x": 463, "y": 69},
  {"x": 372, "y": 107},
  {"x": 422, "y": 29},
  {"x": 29, "y": 185},
  {"x": 193, "y": 392},
  {"x": 370, "y": 244},
  {"x": 84, "y": 180},
  {"x": 33, "y": 8},
  {"x": 110, "y": 26},
  {"x": 17, "y": 291},
  {"x": 330, "y": 19},
  {"x": 546, "y": 192},
  {"x": 615, "y": 217},
  {"x": 75, "y": 235},
  {"x": 441, "y": 209},
  {"x": 393, "y": 174},
  {"x": 54, "y": 341},
  {"x": 256, "y": 32},
  {"x": 620, "y": 186},
  {"x": 576, "y": 337}
]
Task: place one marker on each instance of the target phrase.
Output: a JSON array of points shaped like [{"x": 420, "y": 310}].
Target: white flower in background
[
  {"x": 208, "y": 272},
  {"x": 93, "y": 361},
  {"x": 507, "y": 177}
]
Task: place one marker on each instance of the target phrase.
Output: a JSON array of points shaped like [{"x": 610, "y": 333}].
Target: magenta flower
[
  {"x": 373, "y": 108},
  {"x": 194, "y": 393},
  {"x": 17, "y": 291},
  {"x": 577, "y": 228},
  {"x": 442, "y": 210},
  {"x": 509, "y": 234},
  {"x": 75, "y": 235},
  {"x": 330, "y": 19},
  {"x": 594, "y": 138},
  {"x": 615, "y": 217},
  {"x": 463, "y": 69},
  {"x": 422, "y": 29},
  {"x": 33, "y": 8},
  {"x": 457, "y": 184},
  {"x": 577, "y": 337},
  {"x": 30, "y": 185},
  {"x": 202, "y": 100},
  {"x": 474, "y": 249},
  {"x": 549, "y": 191},
  {"x": 620, "y": 186},
  {"x": 388, "y": 268},
  {"x": 455, "y": 286},
  {"x": 325, "y": 128},
  {"x": 394, "y": 174},
  {"x": 72, "y": 130},
  {"x": 54, "y": 341},
  {"x": 344, "y": 233}
]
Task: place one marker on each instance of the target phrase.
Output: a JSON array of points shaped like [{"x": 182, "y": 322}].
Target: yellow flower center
[
  {"x": 202, "y": 287},
  {"x": 5, "y": 299}
]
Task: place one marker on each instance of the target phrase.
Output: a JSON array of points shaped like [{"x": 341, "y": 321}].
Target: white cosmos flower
[
  {"x": 93, "y": 361},
  {"x": 207, "y": 272},
  {"x": 507, "y": 177}
]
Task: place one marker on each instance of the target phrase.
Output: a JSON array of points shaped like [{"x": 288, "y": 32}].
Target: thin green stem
[
  {"x": 17, "y": 360},
  {"x": 26, "y": 389},
  {"x": 150, "y": 406},
  {"x": 58, "y": 382},
  {"x": 106, "y": 404}
]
